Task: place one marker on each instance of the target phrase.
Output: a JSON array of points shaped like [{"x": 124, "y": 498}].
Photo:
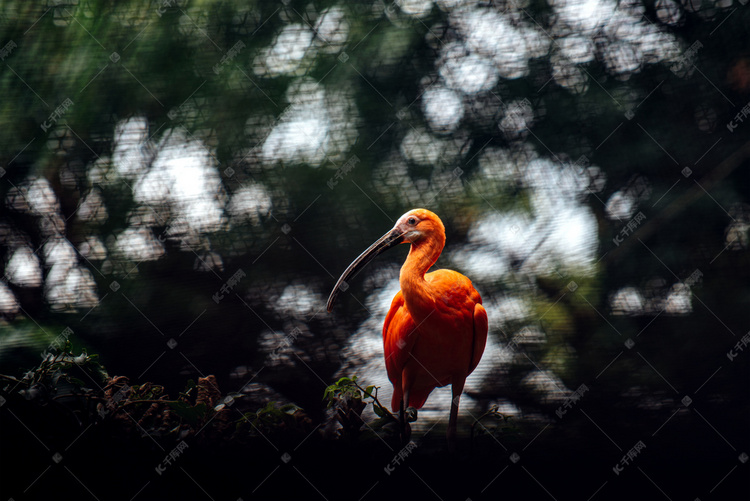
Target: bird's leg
[
  {"x": 457, "y": 388},
  {"x": 405, "y": 426},
  {"x": 401, "y": 419}
]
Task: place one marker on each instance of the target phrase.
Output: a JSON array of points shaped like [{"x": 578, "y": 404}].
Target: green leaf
[
  {"x": 191, "y": 414},
  {"x": 289, "y": 408},
  {"x": 330, "y": 391}
]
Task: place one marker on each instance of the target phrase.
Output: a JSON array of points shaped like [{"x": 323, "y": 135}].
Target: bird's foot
[{"x": 405, "y": 417}]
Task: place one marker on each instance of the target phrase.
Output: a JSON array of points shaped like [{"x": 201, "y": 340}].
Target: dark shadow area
[{"x": 182, "y": 183}]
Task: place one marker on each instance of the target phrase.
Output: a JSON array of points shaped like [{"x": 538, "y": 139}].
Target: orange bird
[{"x": 436, "y": 329}]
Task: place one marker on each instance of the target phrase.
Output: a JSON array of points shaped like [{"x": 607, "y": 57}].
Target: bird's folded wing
[{"x": 398, "y": 338}]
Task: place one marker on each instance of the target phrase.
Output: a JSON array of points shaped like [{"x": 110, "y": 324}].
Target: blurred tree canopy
[{"x": 182, "y": 182}]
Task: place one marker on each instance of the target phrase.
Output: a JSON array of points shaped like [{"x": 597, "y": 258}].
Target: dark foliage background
[{"x": 182, "y": 181}]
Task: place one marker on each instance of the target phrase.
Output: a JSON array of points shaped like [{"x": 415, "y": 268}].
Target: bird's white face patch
[
  {"x": 406, "y": 225},
  {"x": 413, "y": 236}
]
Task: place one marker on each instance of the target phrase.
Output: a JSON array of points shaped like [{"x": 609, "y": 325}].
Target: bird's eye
[{"x": 412, "y": 221}]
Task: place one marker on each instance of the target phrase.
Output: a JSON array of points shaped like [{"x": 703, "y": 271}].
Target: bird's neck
[{"x": 422, "y": 256}]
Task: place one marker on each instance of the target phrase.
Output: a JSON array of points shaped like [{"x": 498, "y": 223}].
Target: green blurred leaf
[{"x": 191, "y": 414}]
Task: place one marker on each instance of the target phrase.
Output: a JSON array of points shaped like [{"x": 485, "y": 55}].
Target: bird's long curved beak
[{"x": 390, "y": 239}]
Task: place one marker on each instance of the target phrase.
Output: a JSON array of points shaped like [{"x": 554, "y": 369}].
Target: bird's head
[
  {"x": 414, "y": 227},
  {"x": 417, "y": 225}
]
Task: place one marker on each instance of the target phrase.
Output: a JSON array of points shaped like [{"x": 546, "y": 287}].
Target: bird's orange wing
[
  {"x": 458, "y": 291},
  {"x": 398, "y": 339}
]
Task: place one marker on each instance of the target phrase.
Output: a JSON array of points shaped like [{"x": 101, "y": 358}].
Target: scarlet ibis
[{"x": 436, "y": 329}]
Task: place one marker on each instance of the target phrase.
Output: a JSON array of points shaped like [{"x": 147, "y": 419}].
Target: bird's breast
[
  {"x": 441, "y": 316},
  {"x": 443, "y": 297}
]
